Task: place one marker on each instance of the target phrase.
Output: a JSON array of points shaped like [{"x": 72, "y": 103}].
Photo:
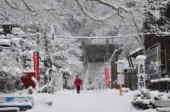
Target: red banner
[
  {"x": 36, "y": 68},
  {"x": 106, "y": 76}
]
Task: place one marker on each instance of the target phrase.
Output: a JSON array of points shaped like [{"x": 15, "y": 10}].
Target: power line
[
  {"x": 109, "y": 37},
  {"x": 94, "y": 37}
]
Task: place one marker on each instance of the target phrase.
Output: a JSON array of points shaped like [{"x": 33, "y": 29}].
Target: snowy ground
[{"x": 87, "y": 101}]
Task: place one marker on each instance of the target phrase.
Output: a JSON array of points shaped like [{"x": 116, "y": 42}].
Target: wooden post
[{"x": 120, "y": 89}]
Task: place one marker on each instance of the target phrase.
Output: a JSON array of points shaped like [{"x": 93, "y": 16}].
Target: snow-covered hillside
[{"x": 42, "y": 22}]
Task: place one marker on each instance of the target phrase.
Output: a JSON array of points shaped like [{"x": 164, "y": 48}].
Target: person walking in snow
[{"x": 77, "y": 83}]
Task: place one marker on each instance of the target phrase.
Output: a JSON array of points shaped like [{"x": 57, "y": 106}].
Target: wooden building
[
  {"x": 157, "y": 61},
  {"x": 158, "y": 55},
  {"x": 131, "y": 74}
]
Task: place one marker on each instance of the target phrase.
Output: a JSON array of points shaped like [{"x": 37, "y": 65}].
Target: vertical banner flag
[
  {"x": 36, "y": 65},
  {"x": 106, "y": 76}
]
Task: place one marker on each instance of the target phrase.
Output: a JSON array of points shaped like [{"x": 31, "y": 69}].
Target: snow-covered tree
[
  {"x": 126, "y": 16},
  {"x": 48, "y": 26},
  {"x": 157, "y": 16}
]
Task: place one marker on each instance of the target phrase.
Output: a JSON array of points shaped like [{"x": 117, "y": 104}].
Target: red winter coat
[{"x": 77, "y": 82}]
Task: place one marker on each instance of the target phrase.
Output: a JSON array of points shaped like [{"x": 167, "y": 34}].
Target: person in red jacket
[{"x": 77, "y": 83}]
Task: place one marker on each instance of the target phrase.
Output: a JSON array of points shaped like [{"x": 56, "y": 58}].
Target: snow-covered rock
[{"x": 151, "y": 99}]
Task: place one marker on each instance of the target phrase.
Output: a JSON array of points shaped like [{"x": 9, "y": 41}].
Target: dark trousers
[{"x": 78, "y": 89}]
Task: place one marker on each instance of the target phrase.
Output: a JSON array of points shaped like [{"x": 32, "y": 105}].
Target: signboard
[
  {"x": 36, "y": 68},
  {"x": 141, "y": 81},
  {"x": 106, "y": 76},
  {"x": 27, "y": 78}
]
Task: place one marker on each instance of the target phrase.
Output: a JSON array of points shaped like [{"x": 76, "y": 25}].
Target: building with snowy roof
[
  {"x": 158, "y": 55},
  {"x": 158, "y": 58},
  {"x": 156, "y": 30}
]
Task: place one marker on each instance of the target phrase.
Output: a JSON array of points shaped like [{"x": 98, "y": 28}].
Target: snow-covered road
[{"x": 87, "y": 101}]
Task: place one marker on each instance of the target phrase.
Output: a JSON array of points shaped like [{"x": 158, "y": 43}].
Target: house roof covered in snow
[
  {"x": 121, "y": 61},
  {"x": 136, "y": 52},
  {"x": 160, "y": 34},
  {"x": 161, "y": 80},
  {"x": 141, "y": 57}
]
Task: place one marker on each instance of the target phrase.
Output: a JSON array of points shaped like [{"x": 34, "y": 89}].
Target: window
[{"x": 167, "y": 12}]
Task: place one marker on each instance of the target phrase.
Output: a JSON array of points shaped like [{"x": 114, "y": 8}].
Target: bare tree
[{"x": 120, "y": 10}]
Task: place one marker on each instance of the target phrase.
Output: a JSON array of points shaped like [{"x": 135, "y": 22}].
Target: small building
[
  {"x": 131, "y": 78},
  {"x": 132, "y": 73}
]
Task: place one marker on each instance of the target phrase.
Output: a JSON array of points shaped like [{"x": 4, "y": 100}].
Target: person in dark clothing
[{"x": 78, "y": 83}]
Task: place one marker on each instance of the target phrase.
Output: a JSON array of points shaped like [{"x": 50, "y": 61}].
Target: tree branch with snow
[
  {"x": 10, "y": 5},
  {"x": 90, "y": 15},
  {"x": 111, "y": 5},
  {"x": 28, "y": 7},
  {"x": 119, "y": 10},
  {"x": 108, "y": 3},
  {"x": 139, "y": 37}
]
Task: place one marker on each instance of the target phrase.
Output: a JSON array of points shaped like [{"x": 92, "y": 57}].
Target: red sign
[
  {"x": 27, "y": 78},
  {"x": 36, "y": 65},
  {"x": 106, "y": 76}
]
